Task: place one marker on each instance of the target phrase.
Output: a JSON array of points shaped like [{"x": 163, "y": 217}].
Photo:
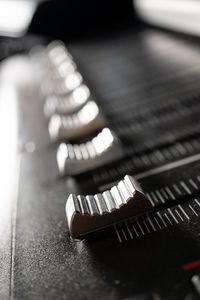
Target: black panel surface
[{"x": 147, "y": 85}]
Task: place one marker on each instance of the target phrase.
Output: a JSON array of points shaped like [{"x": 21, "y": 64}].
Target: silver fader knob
[
  {"x": 87, "y": 120},
  {"x": 62, "y": 79},
  {"x": 68, "y": 84},
  {"x": 55, "y": 84},
  {"x": 57, "y": 53},
  {"x": 62, "y": 71},
  {"x": 60, "y": 60},
  {"x": 75, "y": 159},
  {"x": 55, "y": 45},
  {"x": 87, "y": 214},
  {"x": 66, "y": 104},
  {"x": 59, "y": 73}
]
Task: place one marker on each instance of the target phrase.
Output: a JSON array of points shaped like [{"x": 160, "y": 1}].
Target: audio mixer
[{"x": 111, "y": 126}]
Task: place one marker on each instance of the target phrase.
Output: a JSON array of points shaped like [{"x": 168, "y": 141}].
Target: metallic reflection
[
  {"x": 88, "y": 113},
  {"x": 85, "y": 121},
  {"x": 103, "y": 141},
  {"x": 102, "y": 149},
  {"x": 67, "y": 104},
  {"x": 73, "y": 80}
]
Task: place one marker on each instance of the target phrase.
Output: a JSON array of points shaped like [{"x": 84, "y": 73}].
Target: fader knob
[
  {"x": 87, "y": 214},
  {"x": 67, "y": 104},
  {"x": 102, "y": 149},
  {"x": 87, "y": 120}
]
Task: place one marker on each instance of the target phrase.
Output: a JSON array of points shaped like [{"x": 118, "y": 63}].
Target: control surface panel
[{"x": 144, "y": 88}]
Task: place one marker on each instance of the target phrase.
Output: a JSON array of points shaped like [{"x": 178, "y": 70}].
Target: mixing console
[{"x": 142, "y": 87}]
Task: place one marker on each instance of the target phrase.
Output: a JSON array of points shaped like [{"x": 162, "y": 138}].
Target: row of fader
[{"x": 73, "y": 115}]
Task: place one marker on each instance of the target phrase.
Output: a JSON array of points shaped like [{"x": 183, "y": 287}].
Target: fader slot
[{"x": 174, "y": 216}]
